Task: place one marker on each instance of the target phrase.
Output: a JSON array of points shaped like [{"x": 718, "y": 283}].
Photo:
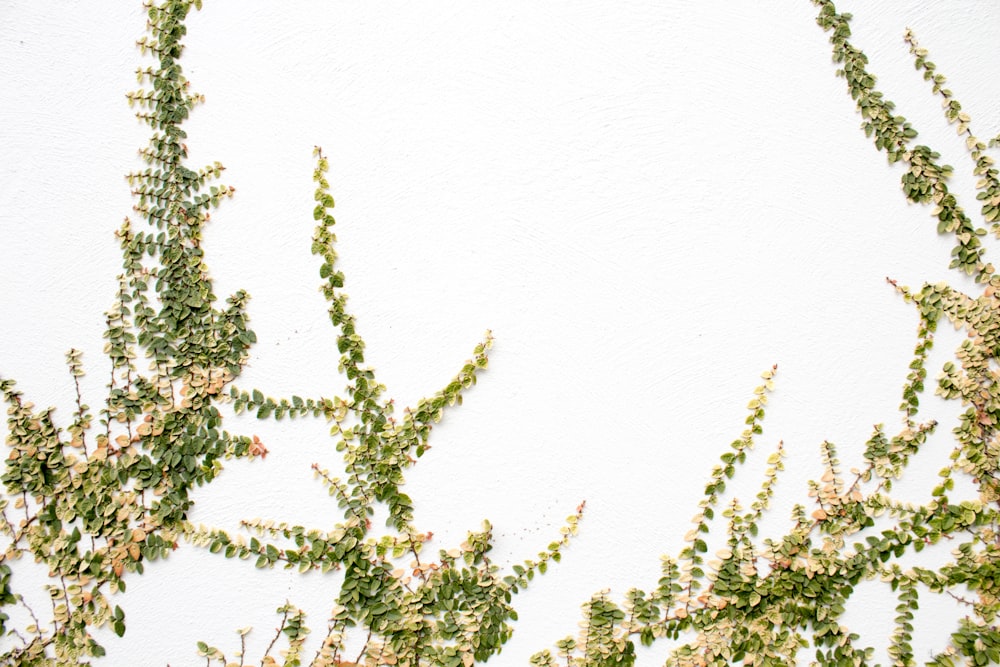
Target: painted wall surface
[{"x": 649, "y": 203}]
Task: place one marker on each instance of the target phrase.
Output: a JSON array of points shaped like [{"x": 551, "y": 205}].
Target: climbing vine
[
  {"x": 767, "y": 601},
  {"x": 97, "y": 500}
]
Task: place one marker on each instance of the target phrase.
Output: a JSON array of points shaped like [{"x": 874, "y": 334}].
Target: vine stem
[{"x": 277, "y": 635}]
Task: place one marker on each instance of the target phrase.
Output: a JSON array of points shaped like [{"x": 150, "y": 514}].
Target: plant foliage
[
  {"x": 766, "y": 601},
  {"x": 95, "y": 501}
]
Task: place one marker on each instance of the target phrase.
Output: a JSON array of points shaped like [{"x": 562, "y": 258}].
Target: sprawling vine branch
[
  {"x": 761, "y": 602},
  {"x": 95, "y": 501}
]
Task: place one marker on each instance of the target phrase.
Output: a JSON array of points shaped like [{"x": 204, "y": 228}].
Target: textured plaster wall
[{"x": 649, "y": 203}]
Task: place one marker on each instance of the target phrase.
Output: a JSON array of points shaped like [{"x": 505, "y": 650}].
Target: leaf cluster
[
  {"x": 452, "y": 608},
  {"x": 762, "y": 602},
  {"x": 94, "y": 501}
]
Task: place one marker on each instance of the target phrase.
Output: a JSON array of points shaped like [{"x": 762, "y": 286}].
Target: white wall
[{"x": 649, "y": 203}]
